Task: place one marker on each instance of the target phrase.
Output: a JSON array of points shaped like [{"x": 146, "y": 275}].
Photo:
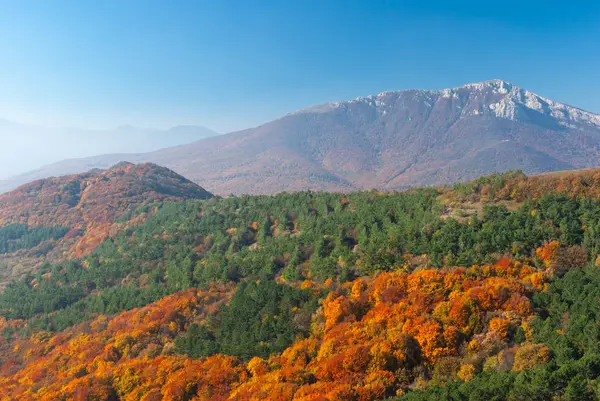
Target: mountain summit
[
  {"x": 496, "y": 97},
  {"x": 392, "y": 140}
]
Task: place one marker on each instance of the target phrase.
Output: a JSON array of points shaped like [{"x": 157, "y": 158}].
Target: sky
[{"x": 230, "y": 65}]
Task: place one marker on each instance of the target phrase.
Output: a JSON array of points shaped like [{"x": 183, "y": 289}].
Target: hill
[
  {"x": 392, "y": 140},
  {"x": 57, "y": 218},
  {"x": 484, "y": 290}
]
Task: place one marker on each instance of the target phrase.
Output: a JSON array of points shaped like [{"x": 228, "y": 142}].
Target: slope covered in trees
[
  {"x": 67, "y": 217},
  {"x": 482, "y": 291}
]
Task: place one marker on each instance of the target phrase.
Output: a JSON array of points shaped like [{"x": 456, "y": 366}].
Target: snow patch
[
  {"x": 563, "y": 114},
  {"x": 508, "y": 99}
]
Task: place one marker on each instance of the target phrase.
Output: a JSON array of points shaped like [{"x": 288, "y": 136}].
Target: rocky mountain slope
[{"x": 391, "y": 140}]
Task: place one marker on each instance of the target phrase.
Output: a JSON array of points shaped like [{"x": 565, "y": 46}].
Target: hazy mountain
[
  {"x": 390, "y": 140},
  {"x": 25, "y": 147}
]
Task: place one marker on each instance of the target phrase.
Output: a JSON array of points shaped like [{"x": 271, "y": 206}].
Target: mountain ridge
[
  {"x": 43, "y": 145},
  {"x": 393, "y": 140},
  {"x": 533, "y": 100}
]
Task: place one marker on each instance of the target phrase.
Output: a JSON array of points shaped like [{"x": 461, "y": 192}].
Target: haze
[{"x": 25, "y": 148}]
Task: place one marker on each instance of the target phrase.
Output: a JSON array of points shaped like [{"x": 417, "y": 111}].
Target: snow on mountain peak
[
  {"x": 497, "y": 85},
  {"x": 565, "y": 115},
  {"x": 501, "y": 98}
]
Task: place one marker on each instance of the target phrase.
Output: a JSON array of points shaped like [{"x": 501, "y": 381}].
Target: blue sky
[{"x": 234, "y": 64}]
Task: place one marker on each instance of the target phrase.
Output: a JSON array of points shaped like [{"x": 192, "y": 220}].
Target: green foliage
[
  {"x": 301, "y": 235},
  {"x": 573, "y": 310},
  {"x": 19, "y": 236},
  {"x": 262, "y": 318},
  {"x": 198, "y": 341},
  {"x": 257, "y": 240},
  {"x": 493, "y": 182}
]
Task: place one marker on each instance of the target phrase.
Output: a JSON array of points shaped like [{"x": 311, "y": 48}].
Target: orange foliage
[
  {"x": 377, "y": 331},
  {"x": 499, "y": 326},
  {"x": 377, "y": 337},
  {"x": 466, "y": 372},
  {"x": 548, "y": 252},
  {"x": 120, "y": 356},
  {"x": 531, "y": 355},
  {"x": 518, "y": 187},
  {"x": 558, "y": 260},
  {"x": 92, "y": 203}
]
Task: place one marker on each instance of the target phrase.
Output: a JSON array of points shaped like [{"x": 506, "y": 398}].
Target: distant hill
[
  {"x": 26, "y": 147},
  {"x": 392, "y": 140},
  {"x": 55, "y": 218}
]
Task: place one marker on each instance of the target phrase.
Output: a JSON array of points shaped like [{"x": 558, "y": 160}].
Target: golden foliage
[{"x": 378, "y": 335}]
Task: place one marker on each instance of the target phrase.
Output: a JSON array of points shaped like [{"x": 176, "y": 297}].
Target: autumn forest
[{"x": 134, "y": 284}]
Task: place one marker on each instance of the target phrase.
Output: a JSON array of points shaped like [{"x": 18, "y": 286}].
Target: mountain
[
  {"x": 392, "y": 140},
  {"x": 26, "y": 147},
  {"x": 56, "y": 218}
]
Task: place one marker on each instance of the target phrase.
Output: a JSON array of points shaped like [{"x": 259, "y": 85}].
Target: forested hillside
[
  {"x": 484, "y": 291},
  {"x": 61, "y": 218}
]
